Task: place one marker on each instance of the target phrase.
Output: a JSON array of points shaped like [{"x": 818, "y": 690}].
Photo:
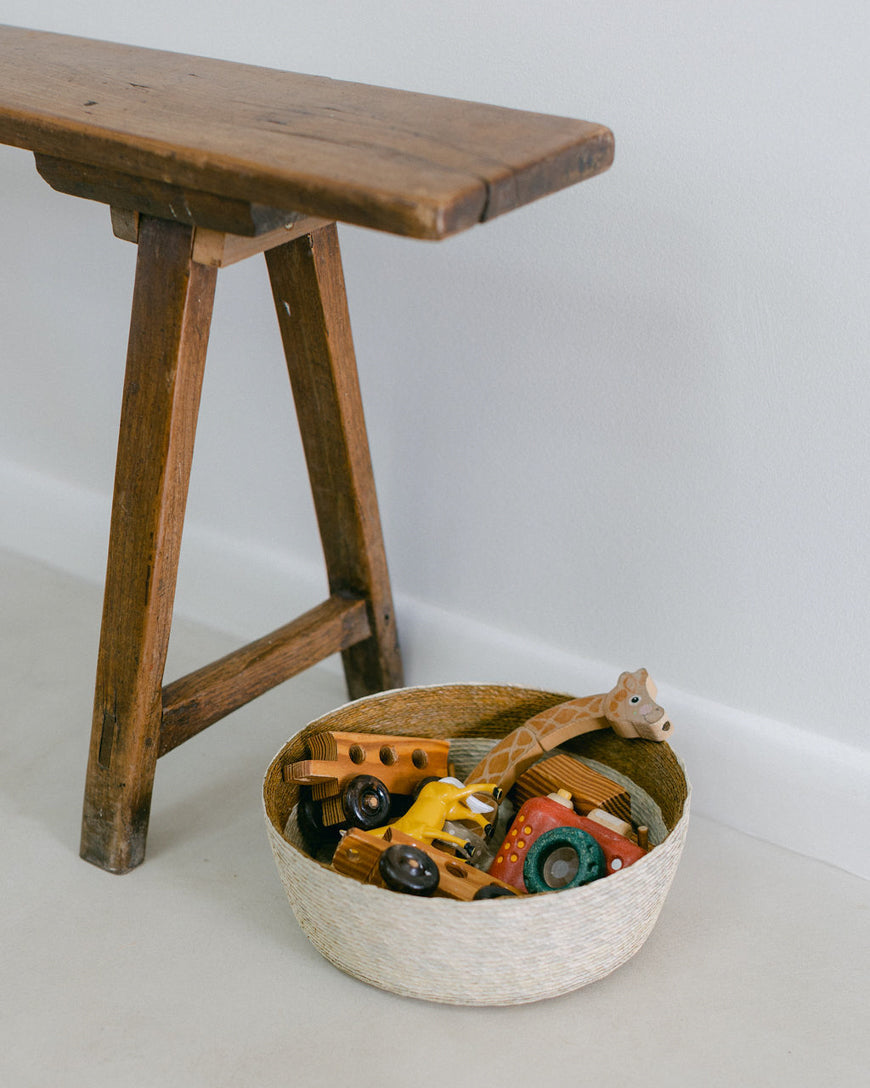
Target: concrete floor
[{"x": 192, "y": 970}]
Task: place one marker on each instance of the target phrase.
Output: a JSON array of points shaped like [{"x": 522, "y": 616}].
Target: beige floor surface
[{"x": 192, "y": 971}]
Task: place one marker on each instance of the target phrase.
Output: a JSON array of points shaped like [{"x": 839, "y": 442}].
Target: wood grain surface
[
  {"x": 197, "y": 700},
  {"x": 308, "y": 289},
  {"x": 408, "y": 163},
  {"x": 172, "y": 304}
]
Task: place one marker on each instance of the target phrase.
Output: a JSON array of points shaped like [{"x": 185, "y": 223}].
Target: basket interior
[{"x": 487, "y": 711}]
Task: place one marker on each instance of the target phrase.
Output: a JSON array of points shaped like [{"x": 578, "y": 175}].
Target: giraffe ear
[{"x": 650, "y": 683}]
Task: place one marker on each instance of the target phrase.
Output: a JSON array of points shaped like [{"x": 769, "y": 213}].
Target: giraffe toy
[{"x": 629, "y": 709}]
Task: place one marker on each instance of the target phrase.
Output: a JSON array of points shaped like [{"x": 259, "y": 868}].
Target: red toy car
[{"x": 550, "y": 847}]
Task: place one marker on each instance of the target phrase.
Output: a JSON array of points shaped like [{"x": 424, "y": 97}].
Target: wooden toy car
[
  {"x": 360, "y": 779},
  {"x": 405, "y": 864},
  {"x": 549, "y": 847}
]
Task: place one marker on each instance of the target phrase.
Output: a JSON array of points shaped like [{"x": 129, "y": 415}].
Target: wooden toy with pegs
[
  {"x": 629, "y": 709},
  {"x": 335, "y": 757},
  {"x": 354, "y": 779},
  {"x": 398, "y": 861}
]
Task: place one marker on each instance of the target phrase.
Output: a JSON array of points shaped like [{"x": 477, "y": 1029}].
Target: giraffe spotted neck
[{"x": 629, "y": 709}]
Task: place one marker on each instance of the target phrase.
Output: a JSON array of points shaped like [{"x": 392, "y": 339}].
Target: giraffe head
[{"x": 632, "y": 710}]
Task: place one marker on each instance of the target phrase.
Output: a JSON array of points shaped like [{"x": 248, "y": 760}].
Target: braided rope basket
[{"x": 502, "y": 951}]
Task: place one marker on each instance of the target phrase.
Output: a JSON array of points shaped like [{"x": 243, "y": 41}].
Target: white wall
[{"x": 623, "y": 426}]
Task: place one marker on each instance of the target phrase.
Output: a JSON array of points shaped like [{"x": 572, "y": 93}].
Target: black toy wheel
[
  {"x": 309, "y": 815},
  {"x": 423, "y": 782},
  {"x": 408, "y": 869},
  {"x": 564, "y": 857},
  {"x": 366, "y": 802},
  {"x": 492, "y": 891}
]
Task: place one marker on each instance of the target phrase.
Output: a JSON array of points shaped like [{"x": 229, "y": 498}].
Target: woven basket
[{"x": 502, "y": 951}]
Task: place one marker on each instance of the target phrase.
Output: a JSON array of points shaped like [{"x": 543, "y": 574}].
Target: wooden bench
[{"x": 203, "y": 163}]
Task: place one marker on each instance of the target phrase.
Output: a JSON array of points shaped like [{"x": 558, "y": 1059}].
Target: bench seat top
[{"x": 412, "y": 164}]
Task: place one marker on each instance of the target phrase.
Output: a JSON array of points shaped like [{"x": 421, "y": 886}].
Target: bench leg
[
  {"x": 172, "y": 306},
  {"x": 308, "y": 287}
]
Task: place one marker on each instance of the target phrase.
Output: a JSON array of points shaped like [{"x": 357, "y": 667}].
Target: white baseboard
[
  {"x": 772, "y": 780},
  {"x": 767, "y": 778}
]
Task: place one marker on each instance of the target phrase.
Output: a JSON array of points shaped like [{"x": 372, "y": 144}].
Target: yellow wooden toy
[{"x": 443, "y": 800}]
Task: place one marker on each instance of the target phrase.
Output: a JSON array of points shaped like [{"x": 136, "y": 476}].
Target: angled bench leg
[
  {"x": 308, "y": 287},
  {"x": 172, "y": 305},
  {"x": 136, "y": 718}
]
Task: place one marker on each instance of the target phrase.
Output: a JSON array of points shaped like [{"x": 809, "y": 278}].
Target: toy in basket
[{"x": 612, "y": 804}]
